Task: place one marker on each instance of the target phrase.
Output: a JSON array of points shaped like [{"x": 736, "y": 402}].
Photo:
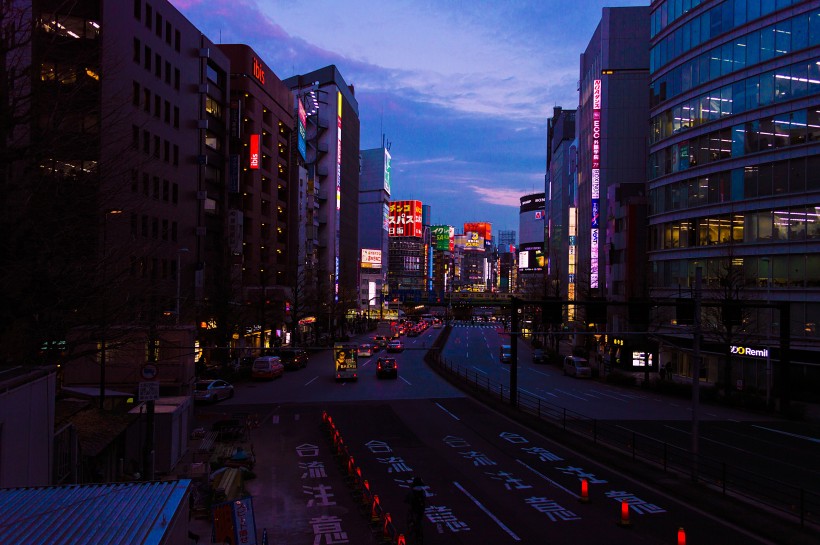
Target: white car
[
  {"x": 365, "y": 350},
  {"x": 212, "y": 390},
  {"x": 577, "y": 367}
]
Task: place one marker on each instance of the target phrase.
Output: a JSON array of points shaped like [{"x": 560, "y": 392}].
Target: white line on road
[
  {"x": 407, "y": 381},
  {"x": 571, "y": 395},
  {"x": 571, "y": 493},
  {"x": 481, "y": 506},
  {"x": 806, "y": 437},
  {"x": 311, "y": 380},
  {"x": 446, "y": 411},
  {"x": 482, "y": 371},
  {"x": 528, "y": 392}
]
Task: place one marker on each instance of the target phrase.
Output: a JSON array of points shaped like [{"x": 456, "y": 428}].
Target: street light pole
[
  {"x": 179, "y": 277},
  {"x": 104, "y": 332}
]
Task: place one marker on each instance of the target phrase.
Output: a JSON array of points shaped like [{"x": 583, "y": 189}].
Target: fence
[{"x": 722, "y": 475}]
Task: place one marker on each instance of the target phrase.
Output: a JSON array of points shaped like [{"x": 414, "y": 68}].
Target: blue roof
[{"x": 112, "y": 514}]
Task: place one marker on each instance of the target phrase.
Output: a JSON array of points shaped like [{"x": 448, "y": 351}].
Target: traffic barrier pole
[
  {"x": 624, "y": 522},
  {"x": 584, "y": 491},
  {"x": 681, "y": 536}
]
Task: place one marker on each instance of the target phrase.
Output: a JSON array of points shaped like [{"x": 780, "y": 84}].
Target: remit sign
[{"x": 750, "y": 352}]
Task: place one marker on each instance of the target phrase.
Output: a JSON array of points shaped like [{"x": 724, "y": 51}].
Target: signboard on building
[
  {"x": 371, "y": 259},
  {"x": 595, "y": 180},
  {"x": 405, "y": 219},
  {"x": 473, "y": 242},
  {"x": 443, "y": 237},
  {"x": 301, "y": 142},
  {"x": 387, "y": 171},
  {"x": 254, "y": 151},
  {"x": 484, "y": 229},
  {"x": 234, "y": 522},
  {"x": 531, "y": 258}
]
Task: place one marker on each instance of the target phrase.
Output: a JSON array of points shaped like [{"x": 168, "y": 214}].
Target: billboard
[
  {"x": 531, "y": 258},
  {"x": 484, "y": 229},
  {"x": 301, "y": 142},
  {"x": 531, "y": 226},
  {"x": 443, "y": 237},
  {"x": 387, "y": 171},
  {"x": 371, "y": 259},
  {"x": 405, "y": 219},
  {"x": 595, "y": 178},
  {"x": 473, "y": 242}
]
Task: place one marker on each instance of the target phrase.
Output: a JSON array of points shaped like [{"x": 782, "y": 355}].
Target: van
[
  {"x": 269, "y": 367},
  {"x": 577, "y": 367},
  {"x": 506, "y": 353}
]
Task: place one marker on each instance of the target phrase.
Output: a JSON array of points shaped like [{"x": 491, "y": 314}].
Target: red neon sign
[{"x": 254, "y": 158}]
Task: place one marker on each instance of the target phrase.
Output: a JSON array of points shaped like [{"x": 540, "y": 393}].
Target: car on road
[
  {"x": 379, "y": 342},
  {"x": 578, "y": 367},
  {"x": 539, "y": 356},
  {"x": 395, "y": 346},
  {"x": 211, "y": 391},
  {"x": 365, "y": 350},
  {"x": 293, "y": 358},
  {"x": 387, "y": 367},
  {"x": 506, "y": 353},
  {"x": 269, "y": 367}
]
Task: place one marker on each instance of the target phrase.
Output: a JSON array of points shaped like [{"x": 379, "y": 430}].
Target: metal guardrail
[{"x": 721, "y": 475}]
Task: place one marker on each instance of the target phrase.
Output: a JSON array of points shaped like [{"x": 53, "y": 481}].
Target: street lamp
[
  {"x": 179, "y": 277},
  {"x": 104, "y": 304}
]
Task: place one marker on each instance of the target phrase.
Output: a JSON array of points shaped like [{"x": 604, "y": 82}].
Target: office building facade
[{"x": 374, "y": 211}]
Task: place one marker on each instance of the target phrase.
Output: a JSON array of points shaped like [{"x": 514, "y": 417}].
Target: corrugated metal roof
[{"x": 106, "y": 514}]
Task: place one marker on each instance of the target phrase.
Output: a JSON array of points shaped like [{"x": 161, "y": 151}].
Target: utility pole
[
  {"x": 696, "y": 374},
  {"x": 514, "y": 330}
]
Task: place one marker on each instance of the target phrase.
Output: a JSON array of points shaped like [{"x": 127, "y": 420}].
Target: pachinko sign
[
  {"x": 405, "y": 219},
  {"x": 443, "y": 237}
]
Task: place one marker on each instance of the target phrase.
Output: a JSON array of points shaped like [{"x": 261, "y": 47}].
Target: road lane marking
[
  {"x": 407, "y": 381},
  {"x": 487, "y": 511},
  {"x": 798, "y": 436},
  {"x": 571, "y": 395},
  {"x": 482, "y": 371},
  {"x": 311, "y": 380},
  {"x": 446, "y": 411},
  {"x": 568, "y": 491}
]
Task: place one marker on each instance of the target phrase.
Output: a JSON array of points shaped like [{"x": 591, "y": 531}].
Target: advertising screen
[
  {"x": 531, "y": 258},
  {"x": 473, "y": 242},
  {"x": 301, "y": 142},
  {"x": 484, "y": 229},
  {"x": 371, "y": 259},
  {"x": 443, "y": 237},
  {"x": 405, "y": 219},
  {"x": 531, "y": 226}
]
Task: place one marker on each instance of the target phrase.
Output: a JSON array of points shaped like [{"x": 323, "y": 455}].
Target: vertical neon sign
[
  {"x": 254, "y": 156},
  {"x": 338, "y": 188},
  {"x": 595, "y": 182}
]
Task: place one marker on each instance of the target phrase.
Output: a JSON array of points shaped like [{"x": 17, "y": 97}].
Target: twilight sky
[{"x": 462, "y": 89}]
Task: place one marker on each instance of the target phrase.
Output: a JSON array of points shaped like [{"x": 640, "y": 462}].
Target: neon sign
[
  {"x": 595, "y": 182},
  {"x": 254, "y": 157},
  {"x": 258, "y": 70}
]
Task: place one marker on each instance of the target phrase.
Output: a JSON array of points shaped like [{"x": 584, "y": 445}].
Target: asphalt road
[{"x": 489, "y": 479}]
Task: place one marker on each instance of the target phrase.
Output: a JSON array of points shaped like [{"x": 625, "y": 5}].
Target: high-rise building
[
  {"x": 612, "y": 168},
  {"x": 506, "y": 240},
  {"x": 406, "y": 273},
  {"x": 332, "y": 213},
  {"x": 374, "y": 212},
  {"x": 258, "y": 185},
  {"x": 531, "y": 281},
  {"x": 734, "y": 182},
  {"x": 561, "y": 224}
]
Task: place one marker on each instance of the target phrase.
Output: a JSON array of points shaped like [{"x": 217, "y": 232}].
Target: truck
[
  {"x": 385, "y": 329},
  {"x": 345, "y": 358}
]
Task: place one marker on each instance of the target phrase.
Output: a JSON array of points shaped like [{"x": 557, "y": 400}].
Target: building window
[
  {"x": 168, "y": 72},
  {"x": 137, "y": 49},
  {"x": 137, "y": 9},
  {"x": 149, "y": 15},
  {"x": 167, "y": 152},
  {"x": 167, "y": 112},
  {"x": 166, "y": 185},
  {"x": 177, "y": 40},
  {"x": 158, "y": 26},
  {"x": 156, "y": 146},
  {"x": 175, "y": 194},
  {"x": 135, "y": 100},
  {"x": 176, "y": 79},
  {"x": 157, "y": 106},
  {"x": 176, "y": 155},
  {"x": 157, "y": 65},
  {"x": 145, "y": 184},
  {"x": 147, "y": 58},
  {"x": 146, "y": 141}
]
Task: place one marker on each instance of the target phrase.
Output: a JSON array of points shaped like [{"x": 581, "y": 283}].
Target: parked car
[
  {"x": 395, "y": 346},
  {"x": 365, "y": 350},
  {"x": 539, "y": 356},
  {"x": 506, "y": 353},
  {"x": 293, "y": 358},
  {"x": 212, "y": 391},
  {"x": 269, "y": 367},
  {"x": 387, "y": 367},
  {"x": 577, "y": 367}
]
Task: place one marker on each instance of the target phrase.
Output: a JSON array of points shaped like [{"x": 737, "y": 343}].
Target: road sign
[
  {"x": 149, "y": 371},
  {"x": 148, "y": 391}
]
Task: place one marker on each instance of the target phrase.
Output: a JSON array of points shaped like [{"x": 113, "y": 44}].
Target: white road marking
[
  {"x": 446, "y": 411},
  {"x": 407, "y": 381},
  {"x": 571, "y": 395},
  {"x": 493, "y": 517},
  {"x": 311, "y": 380},
  {"x": 806, "y": 437},
  {"x": 568, "y": 491},
  {"x": 482, "y": 371}
]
